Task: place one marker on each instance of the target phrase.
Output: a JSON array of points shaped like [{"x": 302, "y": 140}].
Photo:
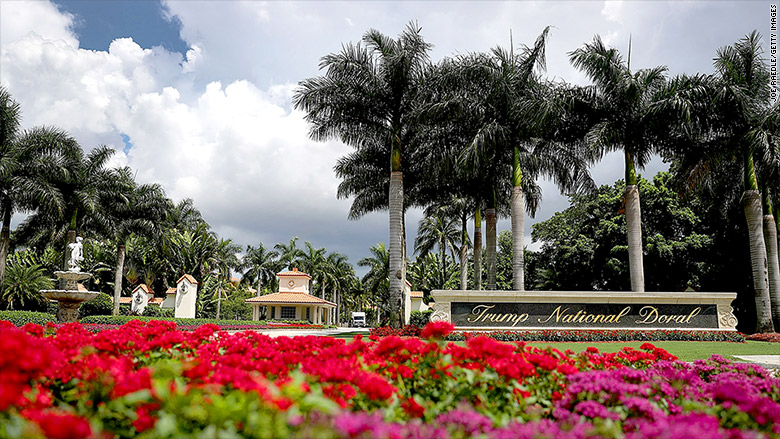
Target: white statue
[{"x": 76, "y": 254}]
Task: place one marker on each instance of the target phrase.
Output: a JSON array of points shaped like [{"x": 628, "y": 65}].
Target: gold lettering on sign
[
  {"x": 482, "y": 315},
  {"x": 650, "y": 315},
  {"x": 563, "y": 315}
]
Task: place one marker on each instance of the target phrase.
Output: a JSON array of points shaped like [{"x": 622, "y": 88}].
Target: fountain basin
[{"x": 69, "y": 302}]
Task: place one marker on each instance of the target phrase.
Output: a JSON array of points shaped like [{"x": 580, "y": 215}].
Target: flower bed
[
  {"x": 771, "y": 337},
  {"x": 147, "y": 379},
  {"x": 576, "y": 335}
]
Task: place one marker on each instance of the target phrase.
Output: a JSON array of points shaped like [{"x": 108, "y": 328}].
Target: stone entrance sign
[{"x": 514, "y": 310}]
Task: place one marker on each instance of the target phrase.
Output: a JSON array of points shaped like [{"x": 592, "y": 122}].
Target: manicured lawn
[{"x": 685, "y": 350}]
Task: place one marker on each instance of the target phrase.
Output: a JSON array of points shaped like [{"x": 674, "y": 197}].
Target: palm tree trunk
[
  {"x": 634, "y": 226},
  {"x": 259, "y": 284},
  {"x": 5, "y": 238},
  {"x": 518, "y": 224},
  {"x": 120, "y": 267},
  {"x": 443, "y": 254},
  {"x": 396, "y": 201},
  {"x": 219, "y": 301},
  {"x": 478, "y": 249},
  {"x": 490, "y": 244},
  {"x": 464, "y": 269},
  {"x": 770, "y": 238},
  {"x": 752, "y": 204}
]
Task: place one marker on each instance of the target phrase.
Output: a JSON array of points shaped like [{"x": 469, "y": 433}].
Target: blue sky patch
[
  {"x": 127, "y": 142},
  {"x": 99, "y": 22}
]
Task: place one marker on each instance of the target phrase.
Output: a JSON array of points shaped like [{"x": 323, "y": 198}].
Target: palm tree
[
  {"x": 130, "y": 209},
  {"x": 368, "y": 96},
  {"x": 261, "y": 266},
  {"x": 437, "y": 230},
  {"x": 376, "y": 280},
  {"x": 313, "y": 261},
  {"x": 22, "y": 286},
  {"x": 86, "y": 180},
  {"x": 741, "y": 122},
  {"x": 289, "y": 254},
  {"x": 28, "y": 162},
  {"x": 623, "y": 103},
  {"x": 339, "y": 274}
]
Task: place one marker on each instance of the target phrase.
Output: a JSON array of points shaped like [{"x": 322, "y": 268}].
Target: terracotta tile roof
[
  {"x": 145, "y": 288},
  {"x": 171, "y": 291},
  {"x": 294, "y": 272},
  {"x": 301, "y": 298},
  {"x": 417, "y": 294},
  {"x": 189, "y": 278}
]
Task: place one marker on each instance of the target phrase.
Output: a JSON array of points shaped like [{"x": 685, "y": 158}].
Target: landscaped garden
[{"x": 148, "y": 379}]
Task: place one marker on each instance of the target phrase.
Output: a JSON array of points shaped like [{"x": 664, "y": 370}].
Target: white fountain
[{"x": 70, "y": 299}]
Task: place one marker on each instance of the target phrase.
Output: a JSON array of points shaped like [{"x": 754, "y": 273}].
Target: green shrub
[
  {"x": 21, "y": 318},
  {"x": 121, "y": 320},
  {"x": 102, "y": 305},
  {"x": 156, "y": 311},
  {"x": 420, "y": 318}
]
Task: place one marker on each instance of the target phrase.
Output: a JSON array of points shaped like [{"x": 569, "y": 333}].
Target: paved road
[{"x": 294, "y": 332}]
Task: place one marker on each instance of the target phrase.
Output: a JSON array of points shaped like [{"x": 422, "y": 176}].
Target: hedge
[
  {"x": 121, "y": 320},
  {"x": 21, "y": 318}
]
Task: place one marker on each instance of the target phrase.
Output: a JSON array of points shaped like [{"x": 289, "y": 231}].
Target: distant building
[
  {"x": 413, "y": 301},
  {"x": 293, "y": 301}
]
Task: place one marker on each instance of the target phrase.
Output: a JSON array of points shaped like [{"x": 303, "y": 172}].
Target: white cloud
[
  {"x": 20, "y": 19},
  {"x": 613, "y": 11}
]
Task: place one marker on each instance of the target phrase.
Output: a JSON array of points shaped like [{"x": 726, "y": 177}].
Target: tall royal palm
[
  {"x": 28, "y": 162},
  {"x": 623, "y": 102},
  {"x": 747, "y": 124},
  {"x": 368, "y": 96}
]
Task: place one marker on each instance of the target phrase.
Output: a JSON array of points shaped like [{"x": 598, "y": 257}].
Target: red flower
[
  {"x": 59, "y": 425},
  {"x": 413, "y": 409},
  {"x": 436, "y": 330}
]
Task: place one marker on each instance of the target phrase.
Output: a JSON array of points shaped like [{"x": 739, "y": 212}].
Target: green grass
[{"x": 685, "y": 350}]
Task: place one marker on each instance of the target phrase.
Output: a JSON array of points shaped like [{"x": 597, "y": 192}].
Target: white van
[{"x": 358, "y": 320}]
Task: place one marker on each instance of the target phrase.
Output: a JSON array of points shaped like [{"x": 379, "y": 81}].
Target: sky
[{"x": 196, "y": 95}]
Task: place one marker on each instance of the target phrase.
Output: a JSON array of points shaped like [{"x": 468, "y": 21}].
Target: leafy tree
[
  {"x": 367, "y": 98},
  {"x": 583, "y": 250}
]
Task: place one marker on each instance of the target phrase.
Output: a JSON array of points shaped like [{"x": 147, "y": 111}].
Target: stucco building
[{"x": 293, "y": 301}]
